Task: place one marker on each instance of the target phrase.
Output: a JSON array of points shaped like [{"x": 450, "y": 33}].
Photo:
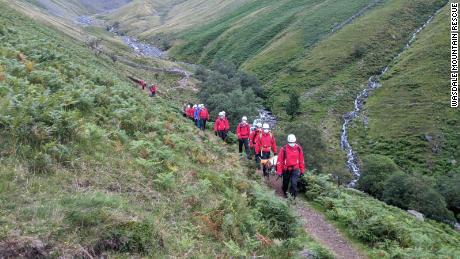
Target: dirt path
[{"x": 317, "y": 226}]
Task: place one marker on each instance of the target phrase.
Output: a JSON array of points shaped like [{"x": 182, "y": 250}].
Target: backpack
[{"x": 284, "y": 151}]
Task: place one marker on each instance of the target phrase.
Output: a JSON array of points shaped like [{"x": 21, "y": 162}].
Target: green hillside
[
  {"x": 92, "y": 167},
  {"x": 289, "y": 46},
  {"x": 148, "y": 18},
  {"x": 267, "y": 35},
  {"x": 410, "y": 119},
  {"x": 72, "y": 8}
]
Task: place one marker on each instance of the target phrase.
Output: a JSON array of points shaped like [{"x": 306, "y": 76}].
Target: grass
[
  {"x": 90, "y": 165},
  {"x": 409, "y": 117},
  {"x": 382, "y": 231},
  {"x": 266, "y": 36},
  {"x": 296, "y": 51}
]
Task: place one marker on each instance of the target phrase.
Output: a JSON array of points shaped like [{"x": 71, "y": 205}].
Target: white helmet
[
  {"x": 291, "y": 138},
  {"x": 266, "y": 126},
  {"x": 221, "y": 114},
  {"x": 259, "y": 125},
  {"x": 201, "y": 105},
  {"x": 194, "y": 106},
  {"x": 244, "y": 118}
]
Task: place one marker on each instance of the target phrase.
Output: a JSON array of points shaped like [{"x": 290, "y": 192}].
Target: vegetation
[
  {"x": 226, "y": 89},
  {"x": 90, "y": 166},
  {"x": 417, "y": 132},
  {"x": 293, "y": 105},
  {"x": 375, "y": 172},
  {"x": 385, "y": 230}
]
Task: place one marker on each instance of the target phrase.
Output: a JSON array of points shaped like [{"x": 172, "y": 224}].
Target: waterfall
[{"x": 372, "y": 84}]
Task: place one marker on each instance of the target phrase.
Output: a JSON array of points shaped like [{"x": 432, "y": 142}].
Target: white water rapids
[{"x": 372, "y": 84}]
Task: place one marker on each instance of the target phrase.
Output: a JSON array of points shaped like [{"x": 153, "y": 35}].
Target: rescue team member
[
  {"x": 153, "y": 90},
  {"x": 252, "y": 142},
  {"x": 265, "y": 143},
  {"x": 196, "y": 115},
  {"x": 204, "y": 117},
  {"x": 243, "y": 132},
  {"x": 190, "y": 113},
  {"x": 143, "y": 84},
  {"x": 290, "y": 165},
  {"x": 220, "y": 126}
]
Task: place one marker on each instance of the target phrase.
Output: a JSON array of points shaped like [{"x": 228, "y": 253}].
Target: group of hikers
[
  {"x": 153, "y": 88},
  {"x": 288, "y": 163}
]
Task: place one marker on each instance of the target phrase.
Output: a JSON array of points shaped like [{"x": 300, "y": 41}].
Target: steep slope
[
  {"x": 329, "y": 77},
  {"x": 92, "y": 167},
  {"x": 409, "y": 118},
  {"x": 267, "y": 35},
  {"x": 147, "y": 18},
  {"x": 72, "y": 8}
]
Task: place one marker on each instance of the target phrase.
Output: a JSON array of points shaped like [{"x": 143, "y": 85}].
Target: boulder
[
  {"x": 457, "y": 226},
  {"x": 416, "y": 214}
]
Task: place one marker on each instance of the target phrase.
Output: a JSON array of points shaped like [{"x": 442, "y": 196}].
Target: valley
[{"x": 108, "y": 171}]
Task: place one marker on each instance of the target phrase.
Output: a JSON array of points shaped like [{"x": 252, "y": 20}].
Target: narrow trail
[{"x": 316, "y": 225}]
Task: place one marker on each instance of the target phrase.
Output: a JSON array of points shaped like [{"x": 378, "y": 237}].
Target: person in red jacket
[
  {"x": 252, "y": 142},
  {"x": 204, "y": 116},
  {"x": 243, "y": 132},
  {"x": 190, "y": 113},
  {"x": 265, "y": 143},
  {"x": 220, "y": 126},
  {"x": 153, "y": 90},
  {"x": 290, "y": 165},
  {"x": 143, "y": 84},
  {"x": 227, "y": 124}
]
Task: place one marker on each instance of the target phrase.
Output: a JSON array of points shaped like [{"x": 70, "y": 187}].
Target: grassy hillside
[
  {"x": 90, "y": 166},
  {"x": 147, "y": 18},
  {"x": 290, "y": 46},
  {"x": 72, "y": 8},
  {"x": 409, "y": 117},
  {"x": 267, "y": 35},
  {"x": 385, "y": 231}
]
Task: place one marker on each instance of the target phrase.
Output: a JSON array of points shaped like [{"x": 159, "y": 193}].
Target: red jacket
[
  {"x": 243, "y": 131},
  {"x": 252, "y": 137},
  {"x": 220, "y": 124},
  {"x": 143, "y": 84},
  {"x": 153, "y": 89},
  {"x": 189, "y": 112},
  {"x": 227, "y": 124},
  {"x": 290, "y": 158},
  {"x": 265, "y": 142},
  {"x": 204, "y": 114}
]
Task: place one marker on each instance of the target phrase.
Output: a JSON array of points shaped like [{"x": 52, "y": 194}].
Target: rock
[
  {"x": 417, "y": 215},
  {"x": 307, "y": 254},
  {"x": 428, "y": 137},
  {"x": 457, "y": 227}
]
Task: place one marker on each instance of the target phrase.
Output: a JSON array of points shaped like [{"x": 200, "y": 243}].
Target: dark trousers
[
  {"x": 291, "y": 177},
  {"x": 222, "y": 134},
  {"x": 203, "y": 124},
  {"x": 256, "y": 158},
  {"x": 265, "y": 155},
  {"x": 244, "y": 142}
]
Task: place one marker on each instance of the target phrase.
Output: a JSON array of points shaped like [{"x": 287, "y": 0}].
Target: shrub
[
  {"x": 293, "y": 105},
  {"x": 417, "y": 193},
  {"x": 376, "y": 170},
  {"x": 449, "y": 187},
  {"x": 282, "y": 222}
]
